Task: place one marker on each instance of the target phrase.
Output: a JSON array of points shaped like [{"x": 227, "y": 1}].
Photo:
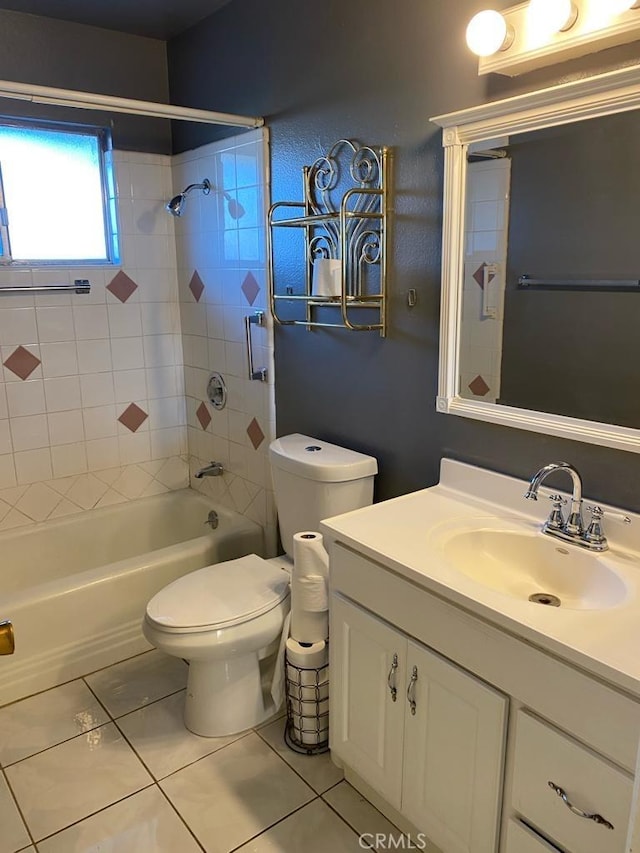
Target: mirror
[{"x": 541, "y": 262}]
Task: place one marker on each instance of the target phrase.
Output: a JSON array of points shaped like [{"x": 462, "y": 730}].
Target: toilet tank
[{"x": 314, "y": 480}]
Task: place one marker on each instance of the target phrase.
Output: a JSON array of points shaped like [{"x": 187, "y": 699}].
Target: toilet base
[{"x": 224, "y": 697}]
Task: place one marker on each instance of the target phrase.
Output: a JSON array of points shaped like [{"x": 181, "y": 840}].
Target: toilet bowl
[
  {"x": 226, "y": 618},
  {"x": 222, "y": 620}
]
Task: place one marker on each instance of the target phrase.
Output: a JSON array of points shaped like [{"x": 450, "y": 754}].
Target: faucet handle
[
  {"x": 597, "y": 514},
  {"x": 556, "y": 519}
]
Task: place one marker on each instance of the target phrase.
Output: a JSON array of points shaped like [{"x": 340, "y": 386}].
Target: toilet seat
[{"x": 219, "y": 596}]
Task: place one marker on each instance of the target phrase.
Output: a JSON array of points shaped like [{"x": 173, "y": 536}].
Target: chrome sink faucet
[{"x": 573, "y": 529}]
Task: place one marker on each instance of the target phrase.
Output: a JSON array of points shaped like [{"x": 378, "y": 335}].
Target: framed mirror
[{"x": 540, "y": 318}]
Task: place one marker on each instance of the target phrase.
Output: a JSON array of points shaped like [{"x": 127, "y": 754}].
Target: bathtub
[{"x": 76, "y": 588}]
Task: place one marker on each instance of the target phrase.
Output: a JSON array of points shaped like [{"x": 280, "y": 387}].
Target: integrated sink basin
[{"x": 532, "y": 566}]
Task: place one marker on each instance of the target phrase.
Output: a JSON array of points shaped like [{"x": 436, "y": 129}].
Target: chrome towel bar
[{"x": 80, "y": 285}]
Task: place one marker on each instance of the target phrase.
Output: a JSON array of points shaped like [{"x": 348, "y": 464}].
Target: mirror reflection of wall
[{"x": 571, "y": 346}]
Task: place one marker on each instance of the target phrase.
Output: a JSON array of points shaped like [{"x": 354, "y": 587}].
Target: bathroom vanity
[{"x": 465, "y": 711}]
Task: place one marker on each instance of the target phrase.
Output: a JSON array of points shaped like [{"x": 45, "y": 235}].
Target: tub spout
[
  {"x": 7, "y": 640},
  {"x": 213, "y": 469}
]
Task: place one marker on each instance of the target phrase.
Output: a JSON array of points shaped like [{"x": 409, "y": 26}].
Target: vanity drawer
[
  {"x": 521, "y": 839},
  {"x": 591, "y": 783}
]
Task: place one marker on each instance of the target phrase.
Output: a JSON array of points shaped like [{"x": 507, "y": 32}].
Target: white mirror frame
[{"x": 614, "y": 92}]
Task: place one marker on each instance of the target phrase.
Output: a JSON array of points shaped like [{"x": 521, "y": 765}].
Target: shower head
[{"x": 177, "y": 203}]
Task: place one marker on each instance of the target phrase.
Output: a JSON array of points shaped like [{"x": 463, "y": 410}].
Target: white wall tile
[
  {"x": 125, "y": 320},
  {"x": 66, "y": 427},
  {"x": 97, "y": 389},
  {"x": 94, "y": 356},
  {"x": 129, "y": 385},
  {"x": 127, "y": 354},
  {"x": 33, "y": 466},
  {"x": 62, "y": 393},
  {"x": 90, "y": 322},
  {"x": 7, "y": 472},
  {"x": 59, "y": 359},
  {"x": 18, "y": 326},
  {"x": 6, "y": 445},
  {"x": 29, "y": 433},
  {"x": 25, "y": 398},
  {"x": 103, "y": 453},
  {"x": 68, "y": 459},
  {"x": 100, "y": 422}
]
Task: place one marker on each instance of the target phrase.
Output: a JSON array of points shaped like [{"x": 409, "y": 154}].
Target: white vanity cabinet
[
  {"x": 449, "y": 770},
  {"x": 427, "y": 736}
]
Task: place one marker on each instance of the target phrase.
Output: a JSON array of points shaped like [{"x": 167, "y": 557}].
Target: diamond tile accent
[
  {"x": 250, "y": 288},
  {"x": 256, "y": 436},
  {"x": 479, "y": 275},
  {"x": 22, "y": 362},
  {"x": 202, "y": 414},
  {"x": 122, "y": 286},
  {"x": 196, "y": 286},
  {"x": 133, "y": 417},
  {"x": 479, "y": 387}
]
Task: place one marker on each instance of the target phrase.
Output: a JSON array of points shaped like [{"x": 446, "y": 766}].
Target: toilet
[{"x": 226, "y": 618}]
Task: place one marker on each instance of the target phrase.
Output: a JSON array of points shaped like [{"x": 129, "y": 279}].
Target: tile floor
[{"x": 104, "y": 764}]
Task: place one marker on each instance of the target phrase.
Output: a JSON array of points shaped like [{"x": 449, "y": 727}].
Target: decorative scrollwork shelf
[{"x": 343, "y": 219}]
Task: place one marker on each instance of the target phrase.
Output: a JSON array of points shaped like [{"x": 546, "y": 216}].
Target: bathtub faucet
[{"x": 213, "y": 469}]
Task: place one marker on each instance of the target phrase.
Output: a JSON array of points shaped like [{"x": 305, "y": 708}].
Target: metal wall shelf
[{"x": 344, "y": 218}]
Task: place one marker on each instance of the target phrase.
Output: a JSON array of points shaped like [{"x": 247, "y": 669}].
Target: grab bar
[
  {"x": 255, "y": 319},
  {"x": 80, "y": 285},
  {"x": 579, "y": 284}
]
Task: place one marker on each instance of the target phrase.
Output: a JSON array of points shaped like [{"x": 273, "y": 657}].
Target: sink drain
[{"x": 545, "y": 598}]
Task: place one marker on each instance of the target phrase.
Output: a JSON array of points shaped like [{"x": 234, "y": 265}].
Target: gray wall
[
  {"x": 376, "y": 71},
  {"x": 47, "y": 52}
]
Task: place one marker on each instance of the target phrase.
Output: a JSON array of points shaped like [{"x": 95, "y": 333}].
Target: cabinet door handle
[
  {"x": 391, "y": 679},
  {"x": 594, "y": 817},
  {"x": 411, "y": 690}
]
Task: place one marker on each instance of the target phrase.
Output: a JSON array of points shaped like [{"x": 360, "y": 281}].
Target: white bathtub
[{"x": 76, "y": 589}]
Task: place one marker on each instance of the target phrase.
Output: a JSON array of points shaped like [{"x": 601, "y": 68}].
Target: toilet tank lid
[{"x": 318, "y": 460}]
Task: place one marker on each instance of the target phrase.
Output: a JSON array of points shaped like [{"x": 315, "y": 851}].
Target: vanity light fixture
[
  {"x": 543, "y": 32},
  {"x": 488, "y": 33},
  {"x": 548, "y": 17}
]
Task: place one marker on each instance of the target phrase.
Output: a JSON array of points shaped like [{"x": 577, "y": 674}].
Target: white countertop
[{"x": 400, "y": 535}]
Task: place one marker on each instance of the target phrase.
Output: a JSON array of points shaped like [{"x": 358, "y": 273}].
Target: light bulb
[
  {"x": 620, "y": 6},
  {"x": 551, "y": 16},
  {"x": 488, "y": 33}
]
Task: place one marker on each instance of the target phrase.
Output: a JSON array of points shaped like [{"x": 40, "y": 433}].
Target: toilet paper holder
[{"x": 307, "y": 698}]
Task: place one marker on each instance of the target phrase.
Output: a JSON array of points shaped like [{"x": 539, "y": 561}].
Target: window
[{"x": 57, "y": 197}]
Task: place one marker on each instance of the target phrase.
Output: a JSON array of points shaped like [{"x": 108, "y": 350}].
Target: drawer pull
[
  {"x": 411, "y": 691},
  {"x": 596, "y": 818},
  {"x": 391, "y": 679}
]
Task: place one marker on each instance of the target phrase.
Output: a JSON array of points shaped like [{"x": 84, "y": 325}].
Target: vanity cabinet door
[
  {"x": 368, "y": 661},
  {"x": 454, "y": 754}
]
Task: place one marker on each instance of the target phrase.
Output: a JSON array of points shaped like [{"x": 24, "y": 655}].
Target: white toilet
[{"x": 224, "y": 619}]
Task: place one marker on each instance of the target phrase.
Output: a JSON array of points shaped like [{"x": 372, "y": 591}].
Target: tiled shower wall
[
  {"x": 92, "y": 393},
  {"x": 220, "y": 242},
  {"x": 486, "y": 239}
]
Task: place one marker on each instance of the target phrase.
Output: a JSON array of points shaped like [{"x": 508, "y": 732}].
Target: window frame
[{"x": 102, "y": 135}]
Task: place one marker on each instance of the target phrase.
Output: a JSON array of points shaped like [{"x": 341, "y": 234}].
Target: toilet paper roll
[
  {"x": 309, "y": 555},
  {"x": 308, "y": 656},
  {"x": 309, "y": 614},
  {"x": 327, "y": 277},
  {"x": 307, "y": 676}
]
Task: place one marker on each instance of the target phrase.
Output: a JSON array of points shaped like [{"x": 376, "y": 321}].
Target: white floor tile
[
  {"x": 236, "y": 793},
  {"x": 313, "y": 829},
  {"x": 358, "y": 812},
  {"x": 71, "y": 781},
  {"x": 319, "y": 771},
  {"x": 129, "y": 685},
  {"x": 13, "y": 833},
  {"x": 143, "y": 823},
  {"x": 47, "y": 719},
  {"x": 159, "y": 736}
]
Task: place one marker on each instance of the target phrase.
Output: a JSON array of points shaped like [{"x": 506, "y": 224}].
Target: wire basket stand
[{"x": 307, "y": 727}]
